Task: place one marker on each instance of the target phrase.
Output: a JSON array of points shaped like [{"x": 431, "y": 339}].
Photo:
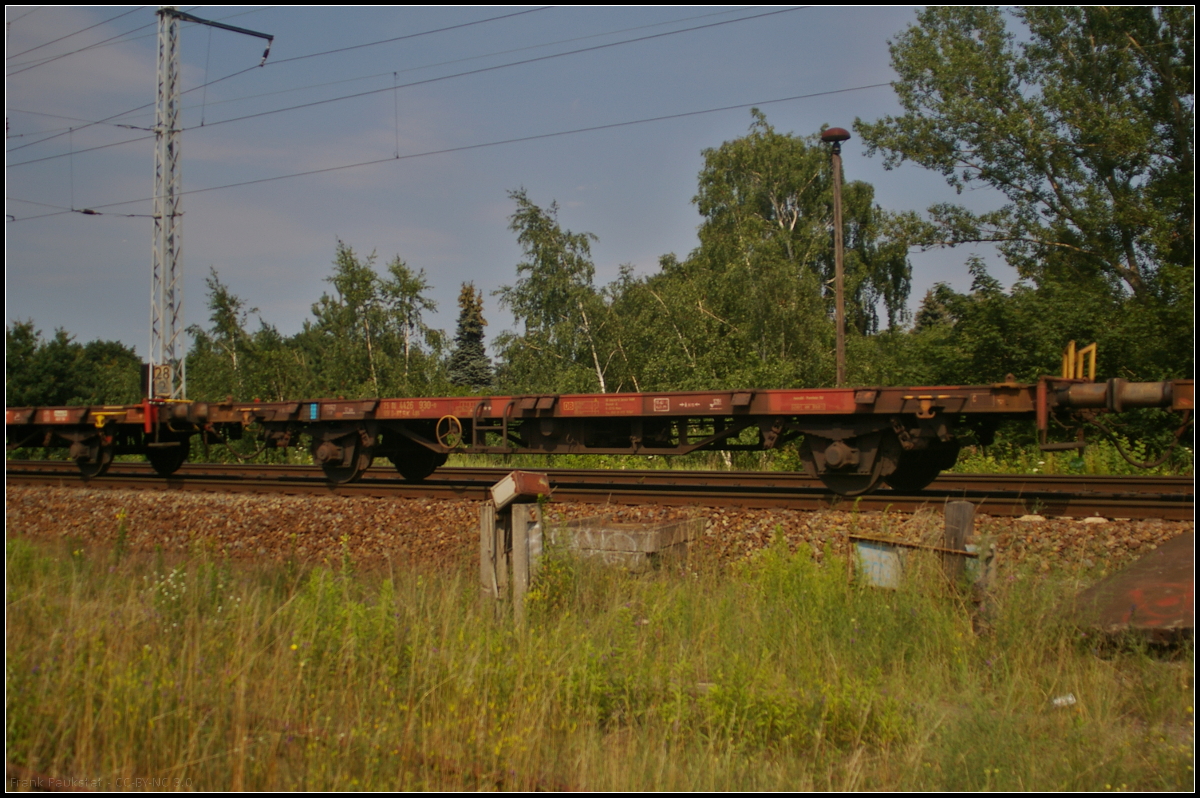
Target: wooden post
[
  {"x": 494, "y": 552},
  {"x": 520, "y": 559},
  {"x": 534, "y": 538},
  {"x": 960, "y": 525},
  {"x": 488, "y": 583},
  {"x": 526, "y": 554},
  {"x": 503, "y": 552}
]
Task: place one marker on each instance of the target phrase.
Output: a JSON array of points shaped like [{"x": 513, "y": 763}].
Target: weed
[
  {"x": 771, "y": 675},
  {"x": 121, "y": 547}
]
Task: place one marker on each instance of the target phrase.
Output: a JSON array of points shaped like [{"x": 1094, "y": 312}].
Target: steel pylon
[{"x": 168, "y": 375}]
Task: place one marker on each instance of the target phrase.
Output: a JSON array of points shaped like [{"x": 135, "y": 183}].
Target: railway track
[{"x": 1169, "y": 498}]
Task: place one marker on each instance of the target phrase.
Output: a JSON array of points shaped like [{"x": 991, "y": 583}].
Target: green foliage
[
  {"x": 224, "y": 359},
  {"x": 367, "y": 338},
  {"x": 668, "y": 332},
  {"x": 560, "y": 313},
  {"x": 1011, "y": 455},
  {"x": 748, "y": 308},
  {"x": 1083, "y": 120},
  {"x": 61, "y": 371},
  {"x": 767, "y": 203},
  {"x": 469, "y": 364},
  {"x": 987, "y": 333}
]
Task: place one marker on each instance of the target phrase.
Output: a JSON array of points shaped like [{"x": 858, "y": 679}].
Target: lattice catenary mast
[{"x": 168, "y": 375}]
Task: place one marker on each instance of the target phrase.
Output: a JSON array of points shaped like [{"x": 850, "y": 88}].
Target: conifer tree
[{"x": 469, "y": 363}]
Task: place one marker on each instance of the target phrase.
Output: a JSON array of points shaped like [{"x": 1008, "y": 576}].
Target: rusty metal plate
[
  {"x": 693, "y": 404},
  {"x": 815, "y": 402},
  {"x": 1183, "y": 395},
  {"x": 1155, "y": 595},
  {"x": 620, "y": 404},
  {"x": 519, "y": 486},
  {"x": 462, "y": 407},
  {"x": 61, "y": 415},
  {"x": 19, "y": 415}
]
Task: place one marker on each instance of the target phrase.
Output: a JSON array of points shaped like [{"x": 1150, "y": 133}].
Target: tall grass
[
  {"x": 776, "y": 674},
  {"x": 1100, "y": 458}
]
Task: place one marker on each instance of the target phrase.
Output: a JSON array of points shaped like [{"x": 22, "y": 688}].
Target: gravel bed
[{"x": 429, "y": 532}]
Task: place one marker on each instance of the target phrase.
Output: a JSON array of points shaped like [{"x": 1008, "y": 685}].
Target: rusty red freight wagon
[{"x": 851, "y": 438}]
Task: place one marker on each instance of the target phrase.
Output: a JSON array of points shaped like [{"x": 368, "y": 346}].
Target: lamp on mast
[{"x": 835, "y": 136}]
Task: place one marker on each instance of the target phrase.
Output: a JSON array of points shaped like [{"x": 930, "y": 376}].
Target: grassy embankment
[{"x": 774, "y": 674}]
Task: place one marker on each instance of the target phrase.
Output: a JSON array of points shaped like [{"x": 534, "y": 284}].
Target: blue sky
[{"x": 447, "y": 213}]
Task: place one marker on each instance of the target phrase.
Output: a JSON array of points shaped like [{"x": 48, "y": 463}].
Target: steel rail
[
  {"x": 1008, "y": 483},
  {"x": 1025, "y": 494}
]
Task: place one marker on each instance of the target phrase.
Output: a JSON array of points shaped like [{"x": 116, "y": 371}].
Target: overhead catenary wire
[
  {"x": 86, "y": 123},
  {"x": 107, "y": 118},
  {"x": 483, "y": 145},
  {"x": 279, "y": 61},
  {"x": 495, "y": 67},
  {"x": 259, "y": 66},
  {"x": 393, "y": 73},
  {"x": 439, "y": 78},
  {"x": 76, "y": 33},
  {"x": 77, "y": 152},
  {"x": 32, "y": 202},
  {"x": 122, "y": 40},
  {"x": 155, "y": 33},
  {"x": 27, "y": 13},
  {"x": 109, "y": 43},
  {"x": 34, "y": 65}
]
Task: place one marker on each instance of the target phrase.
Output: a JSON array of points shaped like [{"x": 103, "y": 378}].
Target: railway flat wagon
[{"x": 852, "y": 439}]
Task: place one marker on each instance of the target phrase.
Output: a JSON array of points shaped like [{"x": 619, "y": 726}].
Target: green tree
[
  {"x": 229, "y": 359},
  {"x": 561, "y": 314},
  {"x": 767, "y": 202},
  {"x": 113, "y": 373},
  {"x": 21, "y": 343},
  {"x": 61, "y": 371},
  {"x": 677, "y": 330},
  {"x": 403, "y": 297},
  {"x": 1083, "y": 120},
  {"x": 469, "y": 363},
  {"x": 344, "y": 340},
  {"x": 217, "y": 360},
  {"x": 750, "y": 306},
  {"x": 753, "y": 304},
  {"x": 368, "y": 337}
]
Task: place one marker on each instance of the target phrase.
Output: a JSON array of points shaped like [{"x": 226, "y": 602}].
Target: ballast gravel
[{"x": 434, "y": 533}]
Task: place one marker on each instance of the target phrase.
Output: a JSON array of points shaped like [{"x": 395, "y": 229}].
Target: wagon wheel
[
  {"x": 416, "y": 463},
  {"x": 99, "y": 458},
  {"x": 848, "y": 483},
  {"x": 359, "y": 457},
  {"x": 915, "y": 470},
  {"x": 166, "y": 460}
]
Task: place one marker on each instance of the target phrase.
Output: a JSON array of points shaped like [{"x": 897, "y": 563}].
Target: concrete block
[{"x": 638, "y": 547}]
